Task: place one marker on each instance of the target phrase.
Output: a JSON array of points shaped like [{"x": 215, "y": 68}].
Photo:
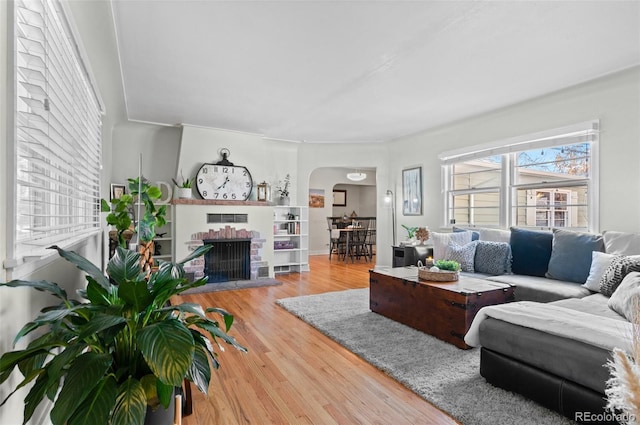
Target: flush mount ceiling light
[{"x": 357, "y": 176}]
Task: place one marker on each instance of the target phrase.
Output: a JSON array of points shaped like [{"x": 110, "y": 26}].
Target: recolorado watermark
[{"x": 604, "y": 417}]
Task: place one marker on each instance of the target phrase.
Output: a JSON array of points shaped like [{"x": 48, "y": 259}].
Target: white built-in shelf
[{"x": 295, "y": 259}]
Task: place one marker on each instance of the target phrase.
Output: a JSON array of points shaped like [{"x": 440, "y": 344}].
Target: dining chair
[
  {"x": 370, "y": 242},
  {"x": 357, "y": 247},
  {"x": 337, "y": 239}
]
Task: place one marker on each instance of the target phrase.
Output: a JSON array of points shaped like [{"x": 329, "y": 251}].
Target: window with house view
[
  {"x": 57, "y": 132},
  {"x": 543, "y": 183},
  {"x": 476, "y": 187},
  {"x": 552, "y": 186}
]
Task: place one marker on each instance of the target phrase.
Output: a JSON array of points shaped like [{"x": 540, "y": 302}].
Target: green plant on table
[
  {"x": 411, "y": 231},
  {"x": 104, "y": 358},
  {"x": 448, "y": 265}
]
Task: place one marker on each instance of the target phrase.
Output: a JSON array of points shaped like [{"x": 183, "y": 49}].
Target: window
[
  {"x": 537, "y": 181},
  {"x": 57, "y": 132},
  {"x": 550, "y": 208},
  {"x": 552, "y": 186},
  {"x": 475, "y": 193}
]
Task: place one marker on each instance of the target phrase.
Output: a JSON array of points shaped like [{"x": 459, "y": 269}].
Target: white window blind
[
  {"x": 57, "y": 125},
  {"x": 573, "y": 134}
]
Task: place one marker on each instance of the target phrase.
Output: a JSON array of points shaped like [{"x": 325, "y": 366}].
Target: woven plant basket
[{"x": 439, "y": 276}]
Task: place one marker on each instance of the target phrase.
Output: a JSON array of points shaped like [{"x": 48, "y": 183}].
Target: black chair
[
  {"x": 370, "y": 242},
  {"x": 357, "y": 241},
  {"x": 337, "y": 240}
]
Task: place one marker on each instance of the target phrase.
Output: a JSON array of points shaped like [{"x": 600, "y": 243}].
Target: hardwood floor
[{"x": 292, "y": 373}]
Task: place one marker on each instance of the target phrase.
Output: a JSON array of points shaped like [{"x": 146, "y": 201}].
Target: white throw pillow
[
  {"x": 494, "y": 235},
  {"x": 441, "y": 242},
  {"x": 621, "y": 243},
  {"x": 600, "y": 261},
  {"x": 626, "y": 299}
]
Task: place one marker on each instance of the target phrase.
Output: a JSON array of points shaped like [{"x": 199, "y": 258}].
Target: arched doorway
[{"x": 359, "y": 197}]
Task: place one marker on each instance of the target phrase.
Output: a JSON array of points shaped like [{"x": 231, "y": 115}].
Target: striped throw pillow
[{"x": 621, "y": 265}]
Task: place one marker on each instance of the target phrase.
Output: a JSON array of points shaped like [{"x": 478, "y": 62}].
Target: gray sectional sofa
[{"x": 572, "y": 293}]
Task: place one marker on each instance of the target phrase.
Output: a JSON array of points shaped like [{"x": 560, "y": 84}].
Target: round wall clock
[{"x": 224, "y": 181}]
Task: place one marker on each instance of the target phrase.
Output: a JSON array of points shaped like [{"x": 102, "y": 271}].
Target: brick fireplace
[
  {"x": 229, "y": 233},
  {"x": 195, "y": 220}
]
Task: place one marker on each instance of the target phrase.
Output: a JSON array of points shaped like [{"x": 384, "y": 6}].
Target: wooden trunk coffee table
[{"x": 442, "y": 309}]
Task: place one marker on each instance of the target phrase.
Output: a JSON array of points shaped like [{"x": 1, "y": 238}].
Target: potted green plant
[
  {"x": 411, "y": 231},
  {"x": 447, "y": 265},
  {"x": 184, "y": 188},
  {"x": 121, "y": 348},
  {"x": 122, "y": 213},
  {"x": 283, "y": 189},
  {"x": 120, "y": 216}
]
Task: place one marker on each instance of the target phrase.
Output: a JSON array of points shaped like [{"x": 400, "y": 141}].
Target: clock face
[{"x": 224, "y": 182}]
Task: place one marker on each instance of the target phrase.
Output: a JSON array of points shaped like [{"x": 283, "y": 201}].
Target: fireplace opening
[{"x": 229, "y": 259}]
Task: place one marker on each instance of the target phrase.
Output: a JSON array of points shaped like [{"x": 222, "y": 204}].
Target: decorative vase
[
  {"x": 283, "y": 200},
  {"x": 184, "y": 192}
]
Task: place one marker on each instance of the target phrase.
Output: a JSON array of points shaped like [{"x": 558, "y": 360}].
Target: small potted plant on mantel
[
  {"x": 283, "y": 189},
  {"x": 184, "y": 188},
  {"x": 120, "y": 350}
]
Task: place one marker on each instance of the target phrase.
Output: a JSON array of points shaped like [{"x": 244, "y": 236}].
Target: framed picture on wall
[
  {"x": 316, "y": 198},
  {"x": 412, "y": 191},
  {"x": 117, "y": 190},
  {"x": 339, "y": 198}
]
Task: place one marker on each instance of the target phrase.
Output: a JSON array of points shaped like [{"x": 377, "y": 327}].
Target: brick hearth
[{"x": 197, "y": 266}]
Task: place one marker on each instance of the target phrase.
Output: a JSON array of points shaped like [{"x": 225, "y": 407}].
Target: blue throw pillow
[
  {"x": 474, "y": 235},
  {"x": 530, "y": 251},
  {"x": 571, "y": 255}
]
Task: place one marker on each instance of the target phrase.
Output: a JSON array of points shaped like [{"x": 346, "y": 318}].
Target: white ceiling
[{"x": 359, "y": 71}]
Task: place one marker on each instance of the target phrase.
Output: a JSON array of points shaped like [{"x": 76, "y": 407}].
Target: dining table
[{"x": 348, "y": 231}]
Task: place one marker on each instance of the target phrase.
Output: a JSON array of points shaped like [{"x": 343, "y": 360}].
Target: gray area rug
[
  {"x": 232, "y": 285},
  {"x": 439, "y": 372}
]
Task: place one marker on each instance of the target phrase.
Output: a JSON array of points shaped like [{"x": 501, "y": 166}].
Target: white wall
[
  {"x": 614, "y": 99},
  {"x": 4, "y": 152},
  {"x": 266, "y": 160},
  {"x": 319, "y": 165},
  {"x": 158, "y": 146},
  {"x": 361, "y": 199}
]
